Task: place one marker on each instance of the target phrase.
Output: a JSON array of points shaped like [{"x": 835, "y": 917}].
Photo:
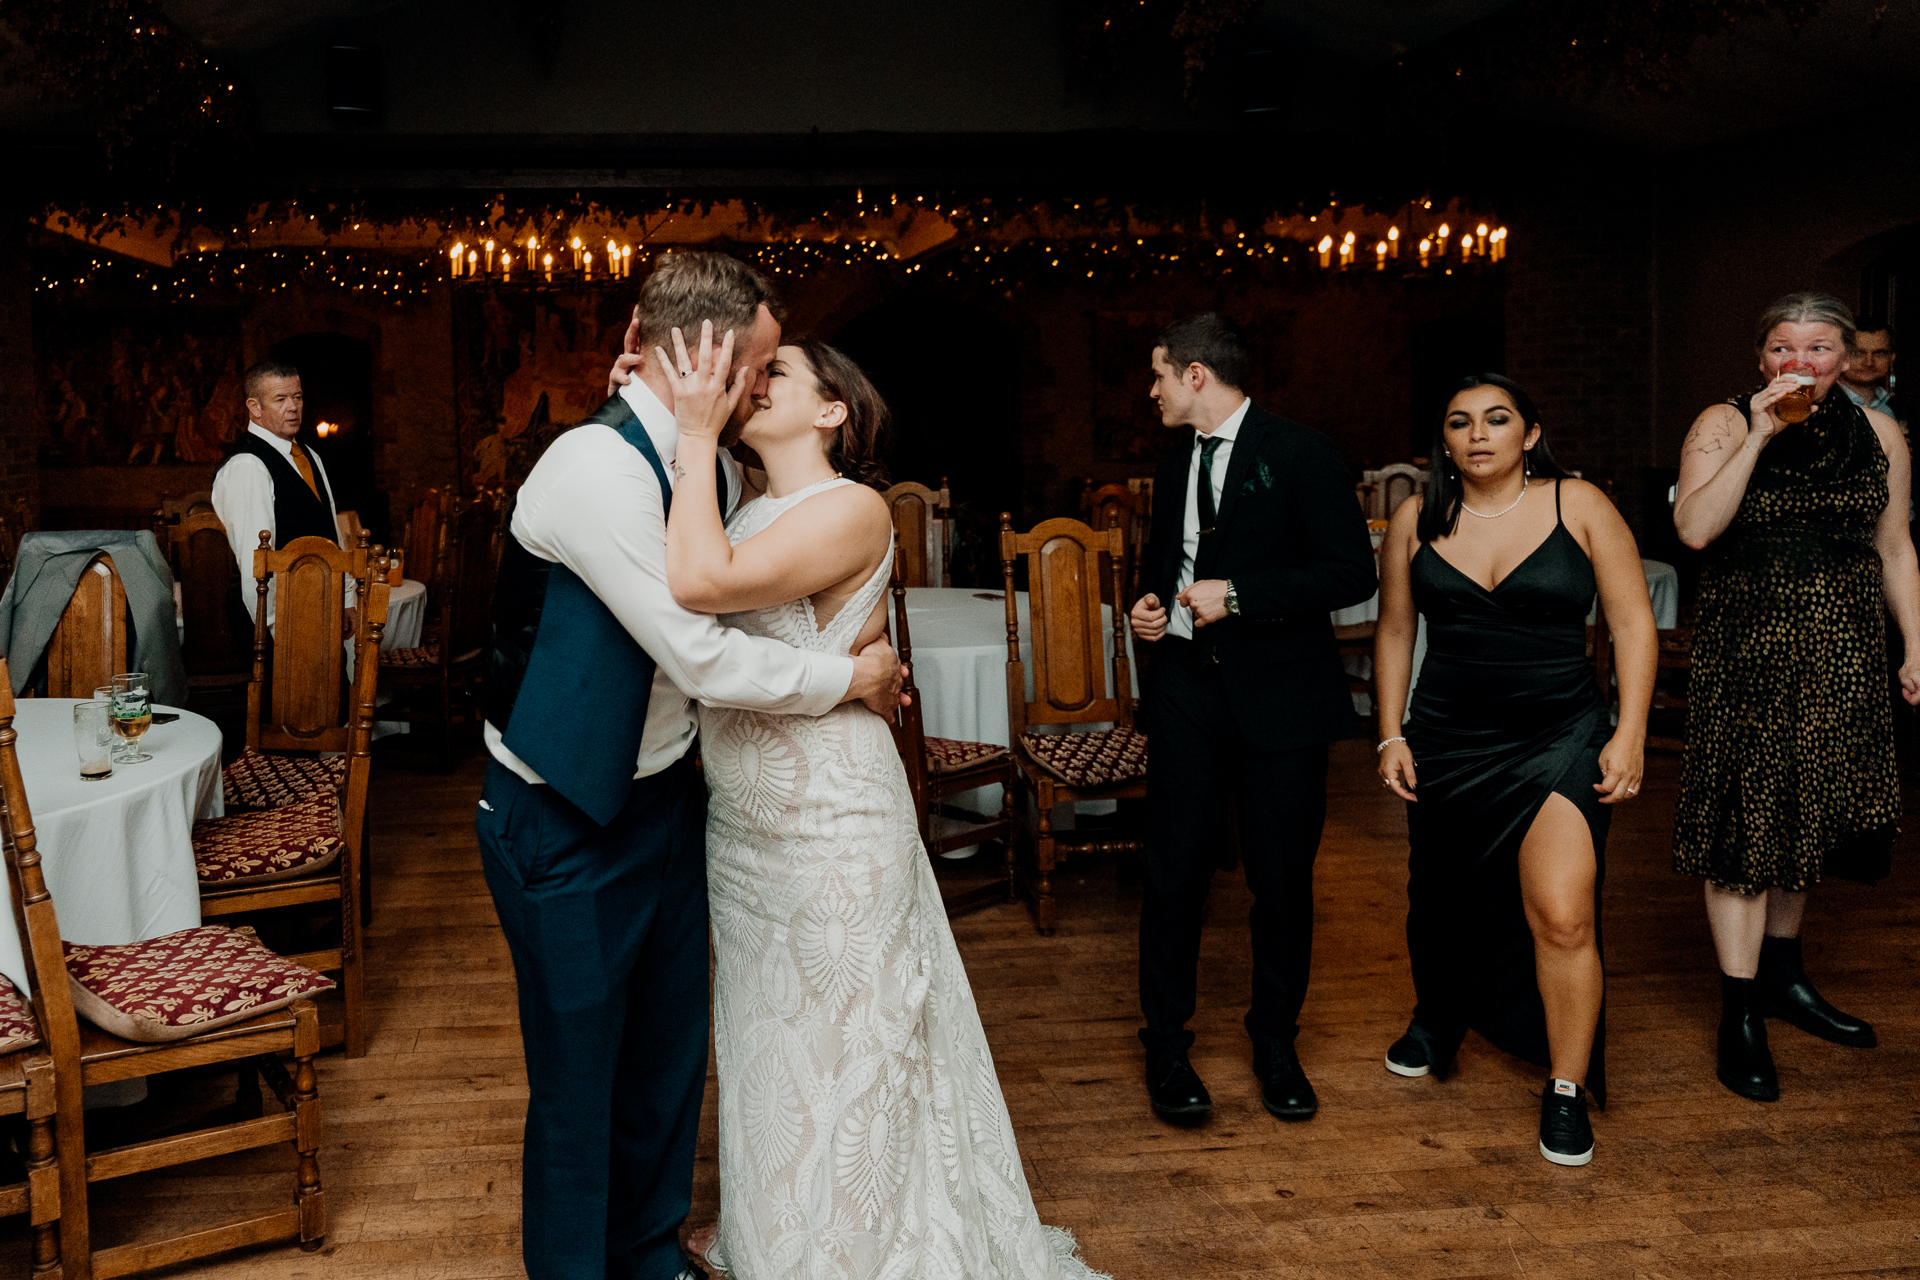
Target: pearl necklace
[{"x": 1496, "y": 515}]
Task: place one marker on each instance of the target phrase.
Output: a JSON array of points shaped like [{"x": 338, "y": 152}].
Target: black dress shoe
[
  {"x": 1176, "y": 1091},
  {"x": 1786, "y": 994},
  {"x": 1745, "y": 1063},
  {"x": 1284, "y": 1089}
]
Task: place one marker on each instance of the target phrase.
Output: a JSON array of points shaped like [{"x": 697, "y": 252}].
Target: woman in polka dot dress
[{"x": 1789, "y": 759}]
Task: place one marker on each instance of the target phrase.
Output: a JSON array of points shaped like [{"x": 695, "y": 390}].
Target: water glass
[
  {"x": 93, "y": 739},
  {"x": 132, "y": 715}
]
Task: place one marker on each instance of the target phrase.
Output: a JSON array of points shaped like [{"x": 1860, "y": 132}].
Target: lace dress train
[{"x": 863, "y": 1135}]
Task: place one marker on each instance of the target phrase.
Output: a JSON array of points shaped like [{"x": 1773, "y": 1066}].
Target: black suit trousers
[
  {"x": 1200, "y": 761},
  {"x": 608, "y": 930}
]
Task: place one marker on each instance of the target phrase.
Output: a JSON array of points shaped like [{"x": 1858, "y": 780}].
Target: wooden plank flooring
[{"x": 1395, "y": 1178}]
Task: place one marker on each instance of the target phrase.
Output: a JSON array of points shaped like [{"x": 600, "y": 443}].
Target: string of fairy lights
[{"x": 1001, "y": 245}]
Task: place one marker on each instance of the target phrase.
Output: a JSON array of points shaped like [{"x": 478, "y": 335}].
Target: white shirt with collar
[
  {"x": 243, "y": 499},
  {"x": 593, "y": 503},
  {"x": 1179, "y": 617}
]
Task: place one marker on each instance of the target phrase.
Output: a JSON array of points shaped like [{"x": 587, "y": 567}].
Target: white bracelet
[{"x": 1389, "y": 742}]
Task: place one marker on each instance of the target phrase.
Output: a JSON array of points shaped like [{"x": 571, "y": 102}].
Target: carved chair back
[
  {"x": 89, "y": 644},
  {"x": 1065, "y": 563}
]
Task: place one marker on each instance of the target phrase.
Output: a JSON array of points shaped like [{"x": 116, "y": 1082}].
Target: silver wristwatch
[{"x": 1233, "y": 598}]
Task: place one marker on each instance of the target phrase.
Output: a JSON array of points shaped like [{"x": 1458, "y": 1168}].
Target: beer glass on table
[
  {"x": 132, "y": 716},
  {"x": 93, "y": 739}
]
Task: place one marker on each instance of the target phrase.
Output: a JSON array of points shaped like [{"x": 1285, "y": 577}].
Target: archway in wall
[
  {"x": 950, "y": 372},
  {"x": 336, "y": 375}
]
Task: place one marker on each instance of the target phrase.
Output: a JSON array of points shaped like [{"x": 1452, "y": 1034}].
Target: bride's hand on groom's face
[{"x": 706, "y": 387}]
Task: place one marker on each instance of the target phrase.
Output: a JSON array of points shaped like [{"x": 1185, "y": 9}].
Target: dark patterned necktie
[{"x": 1209, "y": 445}]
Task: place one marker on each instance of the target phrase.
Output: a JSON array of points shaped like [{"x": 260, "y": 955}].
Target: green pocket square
[{"x": 1260, "y": 481}]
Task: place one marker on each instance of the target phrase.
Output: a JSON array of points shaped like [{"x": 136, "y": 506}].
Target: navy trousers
[{"x": 608, "y": 929}]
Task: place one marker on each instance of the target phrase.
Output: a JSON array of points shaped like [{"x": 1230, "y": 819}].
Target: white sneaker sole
[
  {"x": 1410, "y": 1072},
  {"x": 1571, "y": 1162}
]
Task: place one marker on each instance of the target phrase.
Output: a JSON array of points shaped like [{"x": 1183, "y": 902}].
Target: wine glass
[{"x": 132, "y": 715}]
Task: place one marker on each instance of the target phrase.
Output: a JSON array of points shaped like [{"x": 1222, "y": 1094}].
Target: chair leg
[
  {"x": 43, "y": 1180},
  {"x": 308, "y": 1196},
  {"x": 1043, "y": 906},
  {"x": 353, "y": 983},
  {"x": 1006, "y": 818}
]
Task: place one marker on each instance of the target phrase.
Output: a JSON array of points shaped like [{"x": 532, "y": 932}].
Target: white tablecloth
[
  {"x": 118, "y": 854},
  {"x": 960, "y": 667},
  {"x": 406, "y": 615}
]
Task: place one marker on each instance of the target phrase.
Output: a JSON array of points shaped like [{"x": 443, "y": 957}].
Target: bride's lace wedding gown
[{"x": 862, "y": 1131}]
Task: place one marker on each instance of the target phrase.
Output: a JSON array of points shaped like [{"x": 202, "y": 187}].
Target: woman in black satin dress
[{"x": 1507, "y": 757}]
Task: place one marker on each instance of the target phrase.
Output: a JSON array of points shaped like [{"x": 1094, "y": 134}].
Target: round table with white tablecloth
[
  {"x": 406, "y": 615},
  {"x": 959, "y": 640},
  {"x": 117, "y": 853}
]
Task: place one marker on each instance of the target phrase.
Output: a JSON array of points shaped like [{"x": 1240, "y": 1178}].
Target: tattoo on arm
[{"x": 1707, "y": 438}]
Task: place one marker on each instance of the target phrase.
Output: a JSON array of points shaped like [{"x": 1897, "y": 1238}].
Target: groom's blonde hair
[{"x": 690, "y": 286}]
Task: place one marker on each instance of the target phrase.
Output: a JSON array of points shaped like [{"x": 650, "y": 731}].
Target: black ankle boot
[
  {"x": 1745, "y": 1066},
  {"x": 1786, "y": 994}
]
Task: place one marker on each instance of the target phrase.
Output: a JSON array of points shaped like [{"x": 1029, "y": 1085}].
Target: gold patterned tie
[{"x": 301, "y": 465}]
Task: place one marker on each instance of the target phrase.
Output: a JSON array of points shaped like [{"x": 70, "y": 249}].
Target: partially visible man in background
[{"x": 1868, "y": 379}]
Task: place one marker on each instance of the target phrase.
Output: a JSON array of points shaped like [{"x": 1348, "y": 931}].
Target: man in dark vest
[
  {"x": 592, "y": 821},
  {"x": 1256, "y": 538},
  {"x": 270, "y": 480}
]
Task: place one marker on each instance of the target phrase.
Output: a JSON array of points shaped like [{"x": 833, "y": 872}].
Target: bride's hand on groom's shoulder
[{"x": 706, "y": 386}]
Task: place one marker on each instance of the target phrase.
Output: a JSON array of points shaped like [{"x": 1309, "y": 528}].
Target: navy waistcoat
[
  {"x": 570, "y": 684},
  {"x": 297, "y": 511}
]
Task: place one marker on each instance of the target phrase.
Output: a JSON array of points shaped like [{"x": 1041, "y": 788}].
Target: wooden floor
[{"x": 1395, "y": 1178}]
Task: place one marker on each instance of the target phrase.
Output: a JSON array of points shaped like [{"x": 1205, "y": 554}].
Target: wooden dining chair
[
  {"x": 295, "y": 833},
  {"x": 217, "y": 651},
  {"x": 186, "y": 1001},
  {"x": 1393, "y": 485},
  {"x": 451, "y": 662},
  {"x": 1064, "y": 561},
  {"x": 920, "y": 530},
  {"x": 941, "y": 768},
  {"x": 1114, "y": 506},
  {"x": 27, "y": 1090},
  {"x": 89, "y": 644},
  {"x": 426, "y": 540}
]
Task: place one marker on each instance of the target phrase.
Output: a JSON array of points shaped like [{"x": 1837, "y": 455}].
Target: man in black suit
[{"x": 1245, "y": 692}]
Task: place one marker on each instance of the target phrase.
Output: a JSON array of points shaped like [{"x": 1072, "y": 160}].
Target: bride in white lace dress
[{"x": 862, "y": 1131}]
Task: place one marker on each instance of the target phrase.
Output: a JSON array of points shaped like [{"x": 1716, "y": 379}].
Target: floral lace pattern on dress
[{"x": 863, "y": 1135}]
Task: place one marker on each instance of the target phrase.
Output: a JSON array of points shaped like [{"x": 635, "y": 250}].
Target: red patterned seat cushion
[
  {"x": 951, "y": 755},
  {"x": 269, "y": 844},
  {"x": 1090, "y": 759},
  {"x": 262, "y": 780},
  {"x": 17, "y": 1027},
  {"x": 179, "y": 985},
  {"x": 425, "y": 655}
]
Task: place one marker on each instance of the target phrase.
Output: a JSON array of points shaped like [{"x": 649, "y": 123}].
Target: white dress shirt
[
  {"x": 243, "y": 499},
  {"x": 1179, "y": 617},
  {"x": 593, "y": 504}
]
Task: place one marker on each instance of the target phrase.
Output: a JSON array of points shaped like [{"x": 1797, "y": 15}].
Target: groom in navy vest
[{"x": 592, "y": 823}]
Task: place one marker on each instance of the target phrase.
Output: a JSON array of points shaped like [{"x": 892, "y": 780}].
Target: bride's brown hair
[{"x": 855, "y": 451}]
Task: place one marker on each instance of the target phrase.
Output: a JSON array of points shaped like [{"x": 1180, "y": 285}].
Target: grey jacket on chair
[{"x": 44, "y": 577}]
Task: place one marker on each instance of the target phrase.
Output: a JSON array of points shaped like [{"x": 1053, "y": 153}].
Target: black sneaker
[
  {"x": 1416, "y": 1054},
  {"x": 1565, "y": 1136}
]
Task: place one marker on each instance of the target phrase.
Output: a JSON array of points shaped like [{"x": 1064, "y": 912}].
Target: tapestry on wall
[
  {"x": 119, "y": 387},
  {"x": 527, "y": 366}
]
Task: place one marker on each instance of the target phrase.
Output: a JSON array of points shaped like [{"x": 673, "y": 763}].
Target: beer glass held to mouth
[{"x": 1796, "y": 405}]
